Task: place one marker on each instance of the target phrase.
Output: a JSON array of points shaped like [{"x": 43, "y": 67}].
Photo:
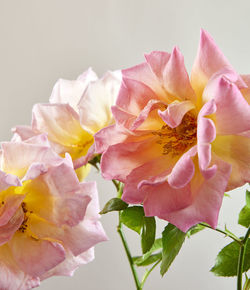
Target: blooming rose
[
  {"x": 179, "y": 144},
  {"x": 48, "y": 220},
  {"x": 77, "y": 110}
]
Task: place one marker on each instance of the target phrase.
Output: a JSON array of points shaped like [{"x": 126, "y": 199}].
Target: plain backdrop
[{"x": 43, "y": 40}]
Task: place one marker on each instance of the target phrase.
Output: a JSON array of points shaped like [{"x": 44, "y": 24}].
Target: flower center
[
  {"x": 177, "y": 140},
  {"x": 27, "y": 214}
]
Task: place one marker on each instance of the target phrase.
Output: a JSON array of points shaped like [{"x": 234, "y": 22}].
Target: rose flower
[
  {"x": 48, "y": 220},
  {"x": 179, "y": 143},
  {"x": 77, "y": 110}
]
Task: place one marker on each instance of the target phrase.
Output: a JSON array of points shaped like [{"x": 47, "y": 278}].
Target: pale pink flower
[
  {"x": 179, "y": 144},
  {"x": 49, "y": 222},
  {"x": 77, "y": 110}
]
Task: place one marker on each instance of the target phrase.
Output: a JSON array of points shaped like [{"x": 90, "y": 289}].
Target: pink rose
[
  {"x": 179, "y": 144},
  {"x": 77, "y": 110},
  {"x": 48, "y": 220}
]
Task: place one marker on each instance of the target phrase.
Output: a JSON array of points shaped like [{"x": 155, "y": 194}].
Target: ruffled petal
[
  {"x": 143, "y": 73},
  {"x": 18, "y": 157},
  {"x": 148, "y": 173},
  {"x": 234, "y": 150},
  {"x": 96, "y": 101},
  {"x": 209, "y": 60},
  {"x": 158, "y": 60},
  {"x": 36, "y": 257},
  {"x": 70, "y": 92},
  {"x": 63, "y": 127},
  {"x": 175, "y": 112},
  {"x": 130, "y": 156},
  {"x": 207, "y": 195},
  {"x": 183, "y": 170},
  {"x": 9, "y": 229},
  {"x": 206, "y": 133},
  {"x": 12, "y": 277},
  {"x": 175, "y": 78},
  {"x": 229, "y": 102}
]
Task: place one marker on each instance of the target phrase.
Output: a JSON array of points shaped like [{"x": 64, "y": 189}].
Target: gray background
[{"x": 43, "y": 40}]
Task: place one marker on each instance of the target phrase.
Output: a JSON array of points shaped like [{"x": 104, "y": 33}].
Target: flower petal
[
  {"x": 207, "y": 195},
  {"x": 134, "y": 191},
  {"x": 183, "y": 170},
  {"x": 175, "y": 112},
  {"x": 175, "y": 78},
  {"x": 130, "y": 156},
  {"x": 206, "y": 133},
  {"x": 12, "y": 277},
  {"x": 234, "y": 150},
  {"x": 70, "y": 92},
  {"x": 36, "y": 257},
  {"x": 96, "y": 101},
  {"x": 62, "y": 125},
  {"x": 208, "y": 61}
]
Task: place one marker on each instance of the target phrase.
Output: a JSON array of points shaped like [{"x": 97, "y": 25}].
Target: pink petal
[
  {"x": 108, "y": 136},
  {"x": 130, "y": 156},
  {"x": 122, "y": 117},
  {"x": 35, "y": 257},
  {"x": 175, "y": 78},
  {"x": 17, "y": 157},
  {"x": 7, "y": 180},
  {"x": 206, "y": 133},
  {"x": 12, "y": 277},
  {"x": 246, "y": 91},
  {"x": 143, "y": 73},
  {"x": 208, "y": 61},
  {"x": 144, "y": 120},
  {"x": 162, "y": 199},
  {"x": 206, "y": 202},
  {"x": 9, "y": 208},
  {"x": 9, "y": 229},
  {"x": 83, "y": 236},
  {"x": 183, "y": 170},
  {"x": 230, "y": 102},
  {"x": 235, "y": 151},
  {"x": 84, "y": 159},
  {"x": 175, "y": 112},
  {"x": 22, "y": 133},
  {"x": 134, "y": 96},
  {"x": 158, "y": 61},
  {"x": 87, "y": 76},
  {"x": 70, "y": 264},
  {"x": 134, "y": 191}
]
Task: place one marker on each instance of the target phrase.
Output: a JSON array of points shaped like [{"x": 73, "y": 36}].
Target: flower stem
[
  {"x": 241, "y": 260},
  {"x": 148, "y": 272},
  {"x": 228, "y": 234},
  {"x": 130, "y": 259}
]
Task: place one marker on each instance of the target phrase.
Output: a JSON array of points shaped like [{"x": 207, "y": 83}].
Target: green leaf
[
  {"x": 244, "y": 215},
  {"x": 156, "y": 246},
  {"x": 132, "y": 217},
  {"x": 227, "y": 260},
  {"x": 114, "y": 204},
  {"x": 150, "y": 260},
  {"x": 172, "y": 240},
  {"x": 148, "y": 234},
  {"x": 246, "y": 284},
  {"x": 248, "y": 198},
  {"x": 194, "y": 230}
]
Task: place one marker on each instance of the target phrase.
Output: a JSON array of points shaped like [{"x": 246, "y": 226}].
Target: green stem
[
  {"x": 241, "y": 260},
  {"x": 230, "y": 235},
  {"x": 130, "y": 259},
  {"x": 148, "y": 272}
]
